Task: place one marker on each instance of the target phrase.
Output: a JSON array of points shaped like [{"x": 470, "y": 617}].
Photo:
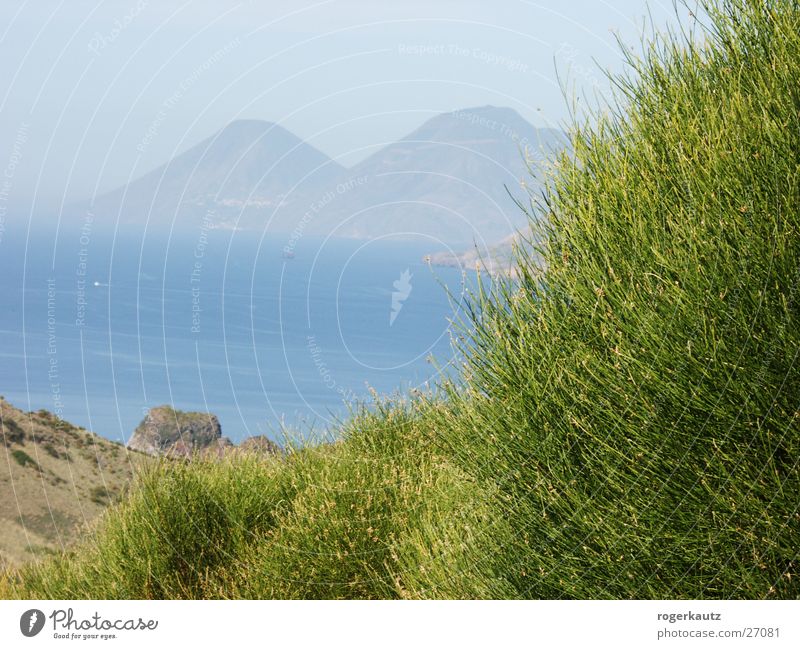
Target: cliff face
[
  {"x": 260, "y": 444},
  {"x": 166, "y": 431}
]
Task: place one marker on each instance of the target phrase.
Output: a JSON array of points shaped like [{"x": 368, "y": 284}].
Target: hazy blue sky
[{"x": 97, "y": 92}]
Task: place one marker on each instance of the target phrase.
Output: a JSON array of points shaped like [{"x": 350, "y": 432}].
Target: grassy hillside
[
  {"x": 626, "y": 422},
  {"x": 55, "y": 480}
]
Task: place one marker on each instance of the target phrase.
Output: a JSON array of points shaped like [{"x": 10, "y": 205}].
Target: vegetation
[
  {"x": 626, "y": 422},
  {"x": 12, "y": 432},
  {"x": 23, "y": 459},
  {"x": 56, "y": 480}
]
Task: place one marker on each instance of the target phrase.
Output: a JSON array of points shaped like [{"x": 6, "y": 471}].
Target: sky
[{"x": 96, "y": 93}]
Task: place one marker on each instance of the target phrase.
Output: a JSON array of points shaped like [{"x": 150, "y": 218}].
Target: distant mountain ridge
[
  {"x": 248, "y": 163},
  {"x": 447, "y": 181}
]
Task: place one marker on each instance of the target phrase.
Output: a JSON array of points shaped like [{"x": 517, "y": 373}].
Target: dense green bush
[{"x": 638, "y": 403}]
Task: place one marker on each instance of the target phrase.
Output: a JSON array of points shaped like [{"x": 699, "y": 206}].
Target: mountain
[
  {"x": 247, "y": 164},
  {"x": 56, "y": 480},
  {"x": 448, "y": 181},
  {"x": 445, "y": 182}
]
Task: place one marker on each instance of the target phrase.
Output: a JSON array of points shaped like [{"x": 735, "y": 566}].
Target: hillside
[
  {"x": 625, "y": 426},
  {"x": 56, "y": 480}
]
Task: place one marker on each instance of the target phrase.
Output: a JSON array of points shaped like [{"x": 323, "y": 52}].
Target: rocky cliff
[
  {"x": 260, "y": 444},
  {"x": 174, "y": 433},
  {"x": 166, "y": 431}
]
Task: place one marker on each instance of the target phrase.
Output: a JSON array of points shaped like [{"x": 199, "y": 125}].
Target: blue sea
[{"x": 263, "y": 331}]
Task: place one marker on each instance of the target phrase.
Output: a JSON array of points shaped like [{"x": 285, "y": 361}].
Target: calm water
[{"x": 99, "y": 328}]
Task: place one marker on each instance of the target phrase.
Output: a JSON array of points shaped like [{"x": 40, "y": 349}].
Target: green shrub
[
  {"x": 637, "y": 402},
  {"x": 12, "y": 432},
  {"x": 23, "y": 459}
]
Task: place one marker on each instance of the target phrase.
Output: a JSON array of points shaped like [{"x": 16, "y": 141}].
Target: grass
[
  {"x": 626, "y": 422},
  {"x": 341, "y": 520}
]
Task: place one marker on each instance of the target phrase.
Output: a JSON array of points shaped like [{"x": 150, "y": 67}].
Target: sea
[{"x": 271, "y": 333}]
